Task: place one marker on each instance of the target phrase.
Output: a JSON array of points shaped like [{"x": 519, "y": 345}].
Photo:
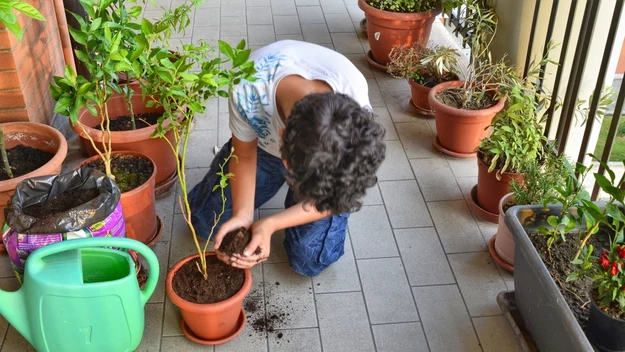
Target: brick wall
[{"x": 27, "y": 67}]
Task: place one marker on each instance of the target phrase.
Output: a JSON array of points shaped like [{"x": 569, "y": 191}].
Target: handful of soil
[{"x": 235, "y": 242}]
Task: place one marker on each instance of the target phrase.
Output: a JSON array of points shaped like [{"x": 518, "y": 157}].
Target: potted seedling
[
  {"x": 392, "y": 23},
  {"x": 78, "y": 98},
  {"x": 552, "y": 296},
  {"x": 424, "y": 68},
  {"x": 27, "y": 149},
  {"x": 210, "y": 316}
]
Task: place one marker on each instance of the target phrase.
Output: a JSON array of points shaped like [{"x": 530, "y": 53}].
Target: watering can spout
[{"x": 13, "y": 309}]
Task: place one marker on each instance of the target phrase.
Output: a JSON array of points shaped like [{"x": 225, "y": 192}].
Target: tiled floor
[{"x": 416, "y": 274}]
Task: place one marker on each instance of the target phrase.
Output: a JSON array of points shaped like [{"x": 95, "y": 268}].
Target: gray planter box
[{"x": 543, "y": 308}]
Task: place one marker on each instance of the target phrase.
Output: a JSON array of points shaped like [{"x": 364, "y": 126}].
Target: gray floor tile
[
  {"x": 400, "y": 337},
  {"x": 373, "y": 197},
  {"x": 487, "y": 228},
  {"x": 397, "y": 103},
  {"x": 153, "y": 15},
  {"x": 495, "y": 334},
  {"x": 182, "y": 243},
  {"x": 508, "y": 278},
  {"x": 15, "y": 342},
  {"x": 277, "y": 201},
  {"x": 346, "y": 43},
  {"x": 261, "y": 34},
  {"x": 423, "y": 256},
  {"x": 405, "y": 204},
  {"x": 307, "y": 2},
  {"x": 199, "y": 144},
  {"x": 395, "y": 165},
  {"x": 371, "y": 223},
  {"x": 343, "y": 323},
  {"x": 383, "y": 281},
  {"x": 363, "y": 66},
  {"x": 295, "y": 340},
  {"x": 435, "y": 179},
  {"x": 316, "y": 33},
  {"x": 310, "y": 15},
  {"x": 6, "y": 270},
  {"x": 161, "y": 249},
  {"x": 462, "y": 167},
  {"x": 224, "y": 129},
  {"x": 340, "y": 22},
  {"x": 8, "y": 284},
  {"x": 209, "y": 34},
  {"x": 278, "y": 254},
  {"x": 288, "y": 291},
  {"x": 171, "y": 322},
  {"x": 375, "y": 95},
  {"x": 234, "y": 26},
  {"x": 445, "y": 320},
  {"x": 152, "y": 333},
  {"x": 259, "y": 15},
  {"x": 333, "y": 7},
  {"x": 299, "y": 37},
  {"x": 479, "y": 281},
  {"x": 258, "y": 284},
  {"x": 390, "y": 84},
  {"x": 283, "y": 7},
  {"x": 355, "y": 13},
  {"x": 287, "y": 25},
  {"x": 416, "y": 137},
  {"x": 458, "y": 232},
  {"x": 340, "y": 276},
  {"x": 232, "y": 8},
  {"x": 208, "y": 120},
  {"x": 248, "y": 341},
  {"x": 207, "y": 17},
  {"x": 254, "y": 3},
  {"x": 383, "y": 117},
  {"x": 182, "y": 343}
]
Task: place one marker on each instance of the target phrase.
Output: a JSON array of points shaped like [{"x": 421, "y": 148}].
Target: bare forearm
[
  {"x": 296, "y": 215},
  {"x": 243, "y": 186}
]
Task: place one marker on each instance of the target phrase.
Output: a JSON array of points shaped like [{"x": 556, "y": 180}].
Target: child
[{"x": 306, "y": 120}]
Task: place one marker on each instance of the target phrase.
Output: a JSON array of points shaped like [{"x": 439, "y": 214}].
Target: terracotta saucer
[
  {"x": 487, "y": 215},
  {"x": 375, "y": 64},
  {"x": 449, "y": 152},
  {"x": 191, "y": 336},
  {"x": 493, "y": 253},
  {"x": 363, "y": 26},
  {"x": 420, "y": 111},
  {"x": 157, "y": 234}
]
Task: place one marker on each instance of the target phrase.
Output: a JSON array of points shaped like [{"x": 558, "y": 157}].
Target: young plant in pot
[
  {"x": 424, "y": 68},
  {"x": 28, "y": 149},
  {"x": 392, "y": 23},
  {"x": 132, "y": 121},
  {"x": 208, "y": 292},
  {"x": 79, "y": 98}
]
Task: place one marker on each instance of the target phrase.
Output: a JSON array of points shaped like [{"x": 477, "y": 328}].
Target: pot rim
[
  {"x": 206, "y": 307},
  {"x": 604, "y": 313},
  {"x": 401, "y": 16},
  {"x": 438, "y": 106},
  {"x": 58, "y": 157},
  {"x": 139, "y": 189},
  {"x": 503, "y": 201}
]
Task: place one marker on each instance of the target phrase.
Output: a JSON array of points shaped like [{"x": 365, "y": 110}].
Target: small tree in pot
[{"x": 424, "y": 68}]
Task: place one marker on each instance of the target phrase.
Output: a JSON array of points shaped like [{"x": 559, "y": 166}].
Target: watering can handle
[{"x": 93, "y": 242}]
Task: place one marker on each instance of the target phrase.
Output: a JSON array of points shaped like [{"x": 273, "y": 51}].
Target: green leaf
[
  {"x": 107, "y": 34},
  {"x": 15, "y": 29},
  {"x": 553, "y": 220},
  {"x": 215, "y": 188},
  {"x": 615, "y": 212},
  {"x": 241, "y": 45},
  {"x": 241, "y": 58},
  {"x": 135, "y": 11},
  {"x": 92, "y": 110},
  {"x": 95, "y": 24},
  {"x": 79, "y": 36},
  {"x": 147, "y": 27},
  {"x": 82, "y": 56},
  {"x": 572, "y": 277},
  {"x": 63, "y": 104},
  {"x": 7, "y": 16},
  {"x": 223, "y": 93},
  {"x": 70, "y": 75},
  {"x": 28, "y": 10},
  {"x": 226, "y": 49}
]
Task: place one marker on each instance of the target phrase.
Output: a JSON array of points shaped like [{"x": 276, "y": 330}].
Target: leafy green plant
[
  {"x": 9, "y": 19},
  {"x": 172, "y": 84},
  {"x": 481, "y": 26},
  {"x": 411, "y": 6},
  {"x": 426, "y": 66},
  {"x": 541, "y": 179}
]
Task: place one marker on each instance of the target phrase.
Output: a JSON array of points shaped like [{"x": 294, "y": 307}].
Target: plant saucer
[
  {"x": 443, "y": 150},
  {"x": 487, "y": 215},
  {"x": 420, "y": 111},
  {"x": 493, "y": 253},
  {"x": 191, "y": 336},
  {"x": 375, "y": 64}
]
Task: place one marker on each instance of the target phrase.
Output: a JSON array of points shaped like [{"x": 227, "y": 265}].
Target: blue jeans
[{"x": 310, "y": 247}]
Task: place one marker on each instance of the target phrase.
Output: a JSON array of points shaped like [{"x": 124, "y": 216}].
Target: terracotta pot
[
  {"x": 214, "y": 323},
  {"x": 138, "y": 140},
  {"x": 460, "y": 131},
  {"x": 420, "y": 97},
  {"x": 139, "y": 205},
  {"x": 38, "y": 136},
  {"x": 387, "y": 29},
  {"x": 503, "y": 243},
  {"x": 490, "y": 190}
]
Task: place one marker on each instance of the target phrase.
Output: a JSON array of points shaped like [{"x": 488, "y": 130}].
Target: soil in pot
[
  {"x": 223, "y": 282},
  {"x": 124, "y": 123},
  {"x": 61, "y": 203},
  {"x": 430, "y": 82},
  {"x": 576, "y": 293},
  {"x": 130, "y": 171},
  {"x": 23, "y": 160},
  {"x": 235, "y": 242},
  {"x": 454, "y": 97}
]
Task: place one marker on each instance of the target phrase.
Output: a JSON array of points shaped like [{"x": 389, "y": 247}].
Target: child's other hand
[{"x": 259, "y": 248}]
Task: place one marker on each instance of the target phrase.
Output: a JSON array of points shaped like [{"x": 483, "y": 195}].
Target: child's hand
[
  {"x": 259, "y": 248},
  {"x": 233, "y": 224}
]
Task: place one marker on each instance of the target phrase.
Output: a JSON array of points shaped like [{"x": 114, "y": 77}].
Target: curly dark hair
[{"x": 333, "y": 148}]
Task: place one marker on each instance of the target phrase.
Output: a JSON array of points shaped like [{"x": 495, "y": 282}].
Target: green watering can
[{"x": 80, "y": 297}]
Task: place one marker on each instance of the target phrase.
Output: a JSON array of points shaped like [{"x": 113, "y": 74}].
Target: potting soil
[
  {"x": 61, "y": 203},
  {"x": 576, "y": 293},
  {"x": 235, "y": 242},
  {"x": 130, "y": 171},
  {"x": 124, "y": 123},
  {"x": 224, "y": 281},
  {"x": 23, "y": 160},
  {"x": 454, "y": 98}
]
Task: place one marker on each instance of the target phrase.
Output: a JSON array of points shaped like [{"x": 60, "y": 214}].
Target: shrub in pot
[
  {"x": 182, "y": 93},
  {"x": 399, "y": 22},
  {"x": 424, "y": 68}
]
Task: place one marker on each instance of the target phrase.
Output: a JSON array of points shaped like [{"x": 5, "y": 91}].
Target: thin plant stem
[{"x": 5, "y": 158}]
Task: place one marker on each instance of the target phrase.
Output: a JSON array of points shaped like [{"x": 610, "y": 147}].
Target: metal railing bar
[{"x": 532, "y": 35}]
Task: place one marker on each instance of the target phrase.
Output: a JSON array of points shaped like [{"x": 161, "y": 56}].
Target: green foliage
[
  {"x": 423, "y": 64},
  {"x": 583, "y": 109},
  {"x": 9, "y": 18},
  {"x": 542, "y": 179},
  {"x": 481, "y": 24},
  {"x": 412, "y": 6}
]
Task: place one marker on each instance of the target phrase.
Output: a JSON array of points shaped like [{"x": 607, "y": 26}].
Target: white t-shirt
[{"x": 253, "y": 112}]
